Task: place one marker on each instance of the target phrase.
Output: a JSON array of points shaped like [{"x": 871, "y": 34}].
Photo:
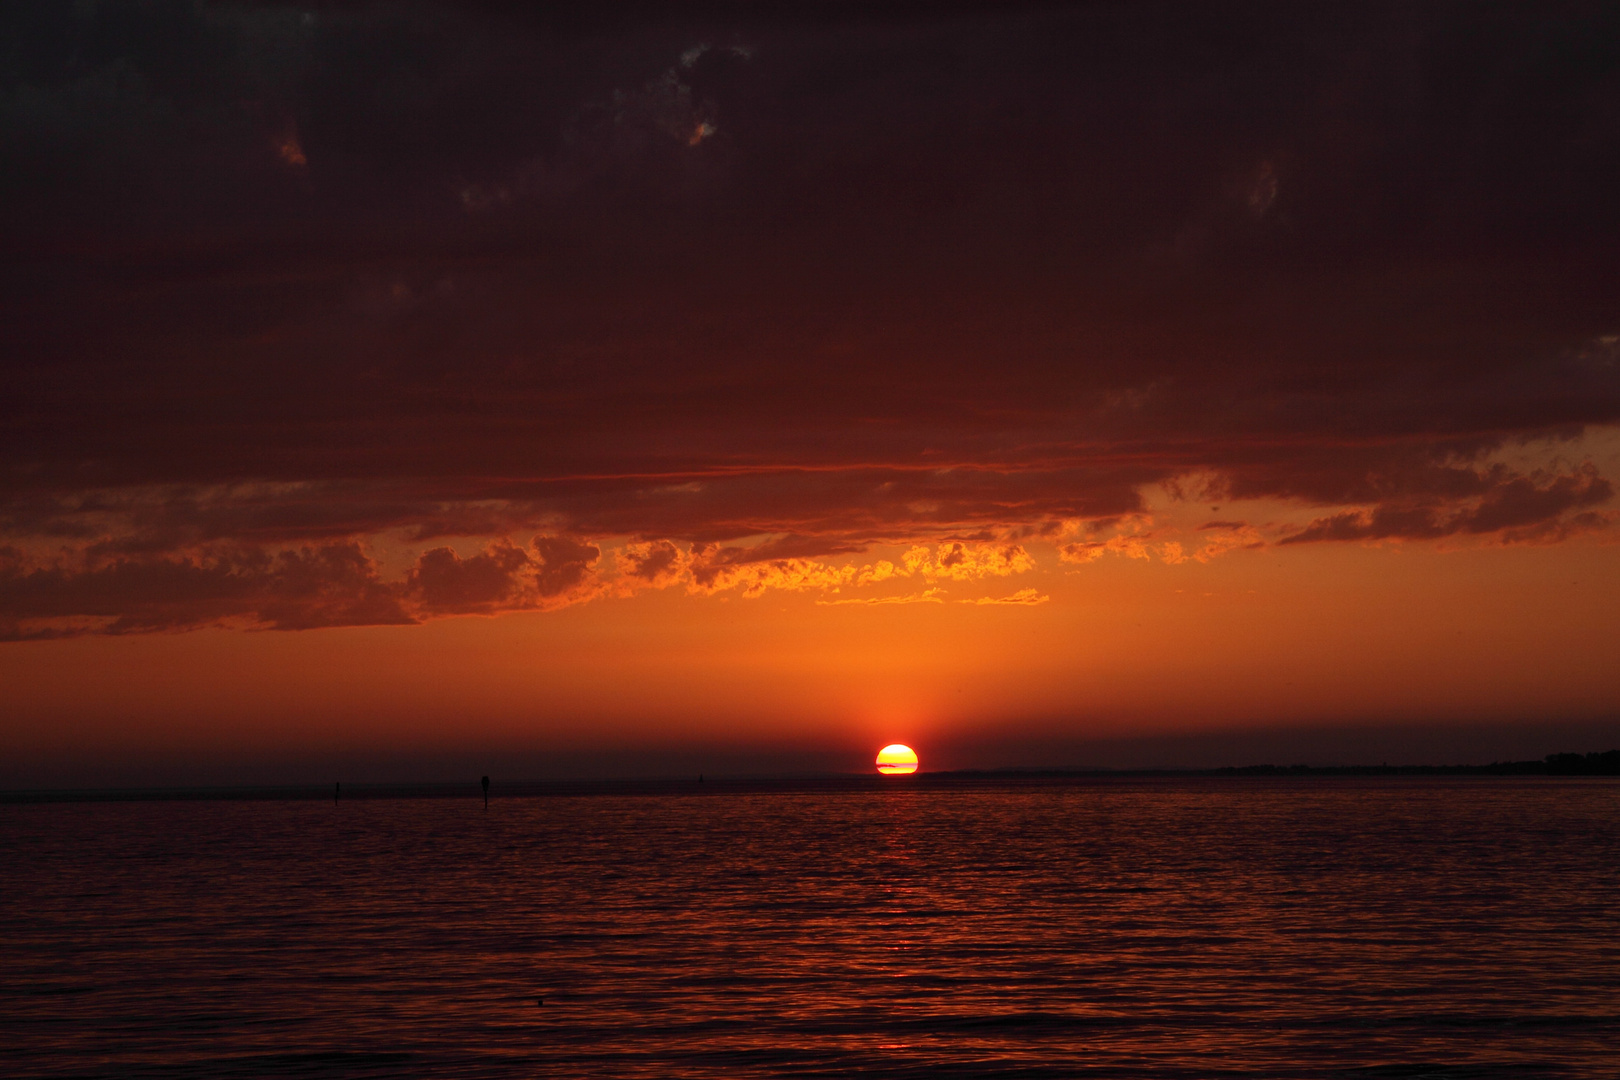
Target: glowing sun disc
[{"x": 896, "y": 759}]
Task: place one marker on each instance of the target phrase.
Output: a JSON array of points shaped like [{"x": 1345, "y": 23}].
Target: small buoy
[{"x": 540, "y": 1001}]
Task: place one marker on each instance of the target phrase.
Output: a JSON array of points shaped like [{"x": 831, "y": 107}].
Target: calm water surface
[{"x": 1153, "y": 929}]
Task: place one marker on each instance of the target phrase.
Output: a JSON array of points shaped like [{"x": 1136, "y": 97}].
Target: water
[{"x": 1198, "y": 928}]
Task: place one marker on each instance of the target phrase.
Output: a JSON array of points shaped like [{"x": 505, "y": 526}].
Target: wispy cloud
[
  {"x": 1024, "y": 597},
  {"x": 1514, "y": 506},
  {"x": 927, "y": 596}
]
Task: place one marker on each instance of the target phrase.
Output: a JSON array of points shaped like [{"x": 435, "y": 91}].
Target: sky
[{"x": 607, "y": 390}]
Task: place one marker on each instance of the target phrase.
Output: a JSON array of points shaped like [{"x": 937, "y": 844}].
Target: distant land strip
[{"x": 1605, "y": 763}]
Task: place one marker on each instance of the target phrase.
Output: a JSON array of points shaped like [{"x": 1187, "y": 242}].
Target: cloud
[
  {"x": 502, "y": 294},
  {"x": 959, "y": 561},
  {"x": 717, "y": 569},
  {"x": 1516, "y": 506},
  {"x": 444, "y": 583},
  {"x": 927, "y": 596},
  {"x": 301, "y": 588},
  {"x": 341, "y": 584},
  {"x": 332, "y": 585},
  {"x": 289, "y": 149},
  {"x": 1232, "y": 536},
  {"x": 656, "y": 563},
  {"x": 624, "y": 137},
  {"x": 1136, "y": 539},
  {"x": 757, "y": 578},
  {"x": 298, "y": 589},
  {"x": 1024, "y": 597},
  {"x": 563, "y": 564},
  {"x": 503, "y": 577}
]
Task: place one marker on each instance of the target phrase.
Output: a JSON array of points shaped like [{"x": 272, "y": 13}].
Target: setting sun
[{"x": 896, "y": 759}]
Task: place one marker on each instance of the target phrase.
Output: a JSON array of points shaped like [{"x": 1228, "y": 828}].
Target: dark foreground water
[{"x": 1190, "y": 928}]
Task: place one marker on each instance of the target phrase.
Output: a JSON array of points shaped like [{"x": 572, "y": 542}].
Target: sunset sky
[{"x": 415, "y": 388}]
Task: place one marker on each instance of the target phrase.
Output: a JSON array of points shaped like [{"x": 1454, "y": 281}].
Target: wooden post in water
[{"x": 486, "y": 793}]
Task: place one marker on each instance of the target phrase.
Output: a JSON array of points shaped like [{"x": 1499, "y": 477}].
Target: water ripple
[{"x": 1265, "y": 928}]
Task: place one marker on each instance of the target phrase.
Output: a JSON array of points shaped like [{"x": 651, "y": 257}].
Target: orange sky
[{"x": 786, "y": 681}]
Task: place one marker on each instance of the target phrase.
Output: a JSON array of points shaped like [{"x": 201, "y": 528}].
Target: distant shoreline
[{"x": 1554, "y": 765}]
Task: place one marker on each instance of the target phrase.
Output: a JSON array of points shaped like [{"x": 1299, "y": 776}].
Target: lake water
[{"x": 1185, "y": 928}]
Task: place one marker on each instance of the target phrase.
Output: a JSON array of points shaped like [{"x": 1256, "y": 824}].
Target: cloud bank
[{"x": 342, "y": 315}]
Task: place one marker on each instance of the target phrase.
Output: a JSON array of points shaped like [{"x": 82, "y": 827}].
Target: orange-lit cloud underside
[{"x": 152, "y": 560}]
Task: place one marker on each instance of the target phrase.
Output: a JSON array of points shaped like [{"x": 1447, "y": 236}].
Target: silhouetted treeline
[
  {"x": 1604, "y": 763},
  {"x": 1593, "y": 764}
]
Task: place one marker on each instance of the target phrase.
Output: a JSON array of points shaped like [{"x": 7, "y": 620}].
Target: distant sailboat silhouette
[{"x": 486, "y": 793}]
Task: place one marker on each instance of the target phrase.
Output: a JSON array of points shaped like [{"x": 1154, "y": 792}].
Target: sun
[{"x": 896, "y": 759}]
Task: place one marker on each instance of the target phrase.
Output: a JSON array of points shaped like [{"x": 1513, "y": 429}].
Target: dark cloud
[
  {"x": 655, "y": 563},
  {"x": 298, "y": 589},
  {"x": 285, "y": 278},
  {"x": 711, "y": 563},
  {"x": 445, "y": 583},
  {"x": 503, "y": 577},
  {"x": 1527, "y": 506},
  {"x": 563, "y": 563},
  {"x": 301, "y": 588},
  {"x": 333, "y": 585}
]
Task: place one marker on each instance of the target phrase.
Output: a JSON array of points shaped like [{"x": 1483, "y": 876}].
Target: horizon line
[{"x": 1564, "y": 764}]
